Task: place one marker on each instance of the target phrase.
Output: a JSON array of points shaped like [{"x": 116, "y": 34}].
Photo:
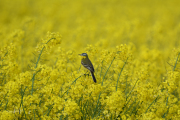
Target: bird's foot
[{"x": 86, "y": 75}]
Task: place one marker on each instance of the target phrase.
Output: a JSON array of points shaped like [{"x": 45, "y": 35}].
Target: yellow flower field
[{"x": 134, "y": 46}]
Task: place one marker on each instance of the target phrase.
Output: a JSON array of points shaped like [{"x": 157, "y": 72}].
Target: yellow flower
[{"x": 5, "y": 115}]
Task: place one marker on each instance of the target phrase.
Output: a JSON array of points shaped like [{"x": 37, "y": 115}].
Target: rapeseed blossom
[{"x": 134, "y": 47}]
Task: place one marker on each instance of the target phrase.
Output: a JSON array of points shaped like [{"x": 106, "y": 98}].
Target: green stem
[
  {"x": 134, "y": 109},
  {"x": 33, "y": 78},
  {"x": 120, "y": 73},
  {"x": 132, "y": 89},
  {"x": 97, "y": 105},
  {"x": 6, "y": 105},
  {"x": 176, "y": 62},
  {"x": 101, "y": 68},
  {"x": 152, "y": 103},
  {"x": 22, "y": 96},
  {"x": 107, "y": 71},
  {"x": 130, "y": 106},
  {"x": 70, "y": 85}
]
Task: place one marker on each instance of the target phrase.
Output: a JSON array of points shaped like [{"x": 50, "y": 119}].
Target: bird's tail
[{"x": 92, "y": 74}]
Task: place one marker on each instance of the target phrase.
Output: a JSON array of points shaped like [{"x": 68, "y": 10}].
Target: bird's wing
[{"x": 87, "y": 64}]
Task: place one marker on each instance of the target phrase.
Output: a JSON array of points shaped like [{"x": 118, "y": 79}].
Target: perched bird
[{"x": 87, "y": 64}]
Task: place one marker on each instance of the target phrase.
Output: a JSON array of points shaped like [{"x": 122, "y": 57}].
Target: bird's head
[{"x": 84, "y": 55}]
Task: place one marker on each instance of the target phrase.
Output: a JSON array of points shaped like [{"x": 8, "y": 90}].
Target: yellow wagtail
[{"x": 87, "y": 64}]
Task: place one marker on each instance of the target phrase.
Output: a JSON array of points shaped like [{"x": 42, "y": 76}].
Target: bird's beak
[{"x": 80, "y": 54}]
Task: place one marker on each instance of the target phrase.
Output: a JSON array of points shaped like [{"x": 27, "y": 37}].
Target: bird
[{"x": 87, "y": 64}]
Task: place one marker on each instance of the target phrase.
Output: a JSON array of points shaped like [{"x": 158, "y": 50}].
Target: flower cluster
[{"x": 133, "y": 46}]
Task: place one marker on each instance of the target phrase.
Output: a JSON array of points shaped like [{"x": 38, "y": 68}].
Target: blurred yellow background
[{"x": 144, "y": 23}]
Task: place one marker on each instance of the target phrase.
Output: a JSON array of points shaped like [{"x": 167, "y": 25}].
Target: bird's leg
[{"x": 86, "y": 74}]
